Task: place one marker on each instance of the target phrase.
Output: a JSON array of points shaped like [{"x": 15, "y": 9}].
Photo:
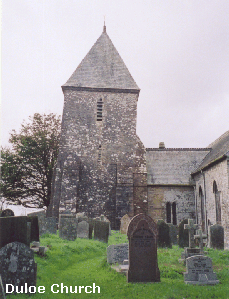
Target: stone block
[{"x": 117, "y": 253}]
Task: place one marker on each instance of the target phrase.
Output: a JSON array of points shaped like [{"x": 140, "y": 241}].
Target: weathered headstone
[
  {"x": 101, "y": 230},
  {"x": 163, "y": 235},
  {"x": 7, "y": 213},
  {"x": 68, "y": 228},
  {"x": 117, "y": 253},
  {"x": 216, "y": 237},
  {"x": 13, "y": 229},
  {"x": 200, "y": 236},
  {"x": 83, "y": 230},
  {"x": 34, "y": 228},
  {"x": 142, "y": 236},
  {"x": 17, "y": 265},
  {"x": 173, "y": 232},
  {"x": 183, "y": 234},
  {"x": 49, "y": 226},
  {"x": 125, "y": 220},
  {"x": 28, "y": 233},
  {"x": 200, "y": 271}
]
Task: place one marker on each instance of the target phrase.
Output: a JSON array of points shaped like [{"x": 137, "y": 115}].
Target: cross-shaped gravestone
[
  {"x": 191, "y": 227},
  {"x": 200, "y": 236}
]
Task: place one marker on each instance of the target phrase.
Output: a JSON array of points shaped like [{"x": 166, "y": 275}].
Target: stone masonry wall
[
  {"x": 97, "y": 159},
  {"x": 183, "y": 196},
  {"x": 219, "y": 174}
]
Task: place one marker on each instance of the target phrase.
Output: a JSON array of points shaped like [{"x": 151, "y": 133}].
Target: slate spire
[{"x": 102, "y": 68}]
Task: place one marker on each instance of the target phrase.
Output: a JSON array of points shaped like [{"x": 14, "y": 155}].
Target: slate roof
[
  {"x": 102, "y": 68},
  {"x": 219, "y": 149},
  {"x": 173, "y": 166}
]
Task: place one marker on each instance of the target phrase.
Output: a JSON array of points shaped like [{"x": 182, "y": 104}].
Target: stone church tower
[{"x": 101, "y": 167}]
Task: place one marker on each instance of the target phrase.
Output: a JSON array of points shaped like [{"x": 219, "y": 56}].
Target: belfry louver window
[{"x": 100, "y": 110}]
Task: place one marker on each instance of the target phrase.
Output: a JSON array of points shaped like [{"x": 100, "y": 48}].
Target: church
[{"x": 104, "y": 168}]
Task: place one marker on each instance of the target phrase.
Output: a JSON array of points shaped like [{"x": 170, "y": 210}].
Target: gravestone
[
  {"x": 163, "y": 235},
  {"x": 41, "y": 220},
  {"x": 173, "y": 233},
  {"x": 216, "y": 237},
  {"x": 34, "y": 228},
  {"x": 183, "y": 234},
  {"x": 28, "y": 233},
  {"x": 142, "y": 236},
  {"x": 101, "y": 230},
  {"x": 117, "y": 253},
  {"x": 68, "y": 228},
  {"x": 199, "y": 271},
  {"x": 7, "y": 213},
  {"x": 13, "y": 229},
  {"x": 125, "y": 220},
  {"x": 83, "y": 230},
  {"x": 200, "y": 236},
  {"x": 191, "y": 250},
  {"x": 49, "y": 226},
  {"x": 17, "y": 265}
]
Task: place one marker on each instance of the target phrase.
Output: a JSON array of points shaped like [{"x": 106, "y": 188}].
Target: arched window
[
  {"x": 174, "y": 212},
  {"x": 99, "y": 110},
  {"x": 168, "y": 212},
  {"x": 217, "y": 203},
  {"x": 201, "y": 196}
]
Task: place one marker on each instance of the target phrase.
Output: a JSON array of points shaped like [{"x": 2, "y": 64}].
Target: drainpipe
[{"x": 205, "y": 201}]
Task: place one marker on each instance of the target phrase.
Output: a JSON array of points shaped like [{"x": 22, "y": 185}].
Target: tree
[{"x": 27, "y": 168}]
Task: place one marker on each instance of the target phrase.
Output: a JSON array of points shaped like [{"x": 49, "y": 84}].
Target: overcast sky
[{"x": 177, "y": 52}]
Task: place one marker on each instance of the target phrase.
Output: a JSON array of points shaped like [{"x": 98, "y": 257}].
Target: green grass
[{"x": 83, "y": 262}]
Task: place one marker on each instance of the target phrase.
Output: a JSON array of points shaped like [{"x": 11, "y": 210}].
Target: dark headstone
[
  {"x": 217, "y": 237},
  {"x": 163, "y": 235},
  {"x": 7, "y": 213},
  {"x": 41, "y": 220},
  {"x": 200, "y": 271},
  {"x": 183, "y": 234},
  {"x": 142, "y": 236},
  {"x": 28, "y": 233},
  {"x": 173, "y": 232},
  {"x": 101, "y": 230},
  {"x": 13, "y": 229},
  {"x": 34, "y": 228},
  {"x": 17, "y": 265},
  {"x": 50, "y": 226}
]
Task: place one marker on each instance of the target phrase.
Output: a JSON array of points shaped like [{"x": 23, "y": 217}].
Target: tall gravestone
[
  {"x": 83, "y": 230},
  {"x": 142, "y": 236},
  {"x": 68, "y": 227},
  {"x": 124, "y": 222},
  {"x": 101, "y": 230},
  {"x": 17, "y": 265},
  {"x": 41, "y": 220},
  {"x": 183, "y": 240},
  {"x": 216, "y": 236},
  {"x": 163, "y": 235}
]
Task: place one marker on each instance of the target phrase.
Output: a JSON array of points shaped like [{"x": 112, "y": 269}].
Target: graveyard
[{"x": 87, "y": 259}]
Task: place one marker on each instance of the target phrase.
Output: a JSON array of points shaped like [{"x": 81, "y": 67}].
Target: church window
[
  {"x": 217, "y": 203},
  {"x": 100, "y": 110},
  {"x": 174, "y": 211},
  {"x": 100, "y": 154},
  {"x": 168, "y": 212}
]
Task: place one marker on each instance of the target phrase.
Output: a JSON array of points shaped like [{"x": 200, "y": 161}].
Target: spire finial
[{"x": 104, "y": 26}]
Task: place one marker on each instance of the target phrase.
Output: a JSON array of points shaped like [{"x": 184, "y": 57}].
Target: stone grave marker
[
  {"x": 200, "y": 236},
  {"x": 49, "y": 226},
  {"x": 41, "y": 220},
  {"x": 191, "y": 250},
  {"x": 183, "y": 234},
  {"x": 216, "y": 237},
  {"x": 200, "y": 271},
  {"x": 117, "y": 253},
  {"x": 34, "y": 228},
  {"x": 142, "y": 236},
  {"x": 17, "y": 265},
  {"x": 83, "y": 230},
  {"x": 68, "y": 228},
  {"x": 125, "y": 220},
  {"x": 163, "y": 239},
  {"x": 101, "y": 230},
  {"x": 173, "y": 232},
  {"x": 13, "y": 229},
  {"x": 7, "y": 213}
]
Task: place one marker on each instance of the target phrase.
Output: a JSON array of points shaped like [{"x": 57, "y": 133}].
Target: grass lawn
[{"x": 83, "y": 262}]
